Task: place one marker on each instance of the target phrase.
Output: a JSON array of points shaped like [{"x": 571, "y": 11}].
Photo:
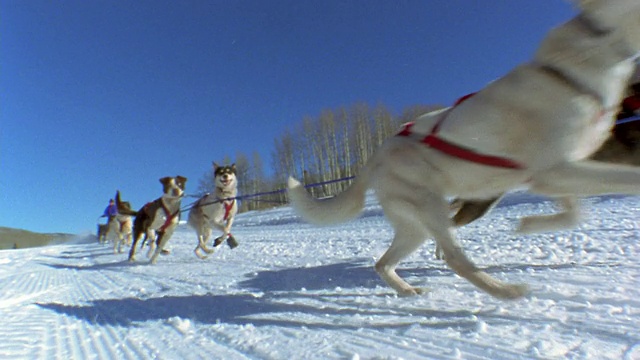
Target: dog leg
[
  {"x": 197, "y": 252},
  {"x": 204, "y": 239},
  {"x": 152, "y": 238},
  {"x": 439, "y": 225},
  {"x": 132, "y": 252},
  {"x": 560, "y": 221},
  {"x": 163, "y": 238},
  {"x": 156, "y": 250},
  {"x": 116, "y": 244},
  {"x": 586, "y": 178},
  {"x": 467, "y": 211},
  {"x": 471, "y": 210},
  {"x": 404, "y": 215},
  {"x": 404, "y": 243}
]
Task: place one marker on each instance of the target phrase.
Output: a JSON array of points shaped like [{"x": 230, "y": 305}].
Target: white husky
[
  {"x": 533, "y": 128},
  {"x": 216, "y": 210}
]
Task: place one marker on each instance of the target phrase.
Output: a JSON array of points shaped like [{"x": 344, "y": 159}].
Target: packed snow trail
[{"x": 295, "y": 291}]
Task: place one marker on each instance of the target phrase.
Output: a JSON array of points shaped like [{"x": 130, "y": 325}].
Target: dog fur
[
  {"x": 623, "y": 147},
  {"x": 120, "y": 228},
  {"x": 548, "y": 115},
  {"x": 216, "y": 210},
  {"x": 157, "y": 220}
]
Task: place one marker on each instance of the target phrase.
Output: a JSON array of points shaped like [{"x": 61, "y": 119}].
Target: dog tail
[
  {"x": 124, "y": 210},
  {"x": 340, "y": 208}
]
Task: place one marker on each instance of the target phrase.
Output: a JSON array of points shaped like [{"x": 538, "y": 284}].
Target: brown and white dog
[
  {"x": 157, "y": 220},
  {"x": 534, "y": 128},
  {"x": 216, "y": 210}
]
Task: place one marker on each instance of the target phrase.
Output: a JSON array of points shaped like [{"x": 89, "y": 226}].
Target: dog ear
[
  {"x": 215, "y": 166},
  {"x": 181, "y": 179},
  {"x": 165, "y": 180}
]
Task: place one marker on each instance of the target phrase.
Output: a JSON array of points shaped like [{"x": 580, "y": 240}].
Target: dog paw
[
  {"x": 231, "y": 241},
  {"x": 218, "y": 241},
  {"x": 413, "y": 292},
  {"x": 200, "y": 255},
  {"x": 515, "y": 291}
]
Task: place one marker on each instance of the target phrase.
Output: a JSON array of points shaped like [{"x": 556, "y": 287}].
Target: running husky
[
  {"x": 534, "y": 128},
  {"x": 216, "y": 210},
  {"x": 157, "y": 220}
]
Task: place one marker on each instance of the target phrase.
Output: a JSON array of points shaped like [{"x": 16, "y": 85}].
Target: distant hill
[{"x": 18, "y": 239}]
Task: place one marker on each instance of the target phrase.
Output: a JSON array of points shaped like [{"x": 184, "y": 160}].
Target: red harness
[
  {"x": 169, "y": 216},
  {"x": 227, "y": 208},
  {"x": 433, "y": 141}
]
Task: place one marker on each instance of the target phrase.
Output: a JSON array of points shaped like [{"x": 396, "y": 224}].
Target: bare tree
[
  {"x": 362, "y": 134},
  {"x": 384, "y": 126},
  {"x": 243, "y": 175}
]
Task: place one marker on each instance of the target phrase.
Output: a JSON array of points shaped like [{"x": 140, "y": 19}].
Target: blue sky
[{"x": 100, "y": 95}]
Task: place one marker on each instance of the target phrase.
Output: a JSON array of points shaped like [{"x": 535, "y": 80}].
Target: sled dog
[
  {"x": 157, "y": 220},
  {"x": 534, "y": 128},
  {"x": 216, "y": 210},
  {"x": 102, "y": 233},
  {"x": 119, "y": 229}
]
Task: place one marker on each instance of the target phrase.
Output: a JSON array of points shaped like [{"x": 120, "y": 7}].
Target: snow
[{"x": 295, "y": 291}]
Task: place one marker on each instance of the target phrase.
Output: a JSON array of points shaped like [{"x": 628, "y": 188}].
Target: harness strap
[
  {"x": 168, "y": 215},
  {"x": 433, "y": 141},
  {"x": 227, "y": 208}
]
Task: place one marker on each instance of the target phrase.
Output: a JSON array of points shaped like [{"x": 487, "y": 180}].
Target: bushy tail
[
  {"x": 123, "y": 209},
  {"x": 340, "y": 208}
]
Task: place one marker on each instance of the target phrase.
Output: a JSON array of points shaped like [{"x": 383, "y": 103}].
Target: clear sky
[{"x": 100, "y": 95}]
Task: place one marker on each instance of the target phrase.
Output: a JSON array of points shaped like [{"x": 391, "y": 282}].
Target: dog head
[
  {"x": 173, "y": 186},
  {"x": 224, "y": 176}
]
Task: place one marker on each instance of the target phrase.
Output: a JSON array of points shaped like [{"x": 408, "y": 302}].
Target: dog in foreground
[
  {"x": 157, "y": 220},
  {"x": 216, "y": 210},
  {"x": 534, "y": 128}
]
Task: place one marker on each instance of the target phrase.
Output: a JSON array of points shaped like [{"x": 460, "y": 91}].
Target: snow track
[{"x": 293, "y": 291}]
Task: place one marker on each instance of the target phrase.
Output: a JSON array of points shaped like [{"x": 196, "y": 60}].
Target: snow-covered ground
[{"x": 295, "y": 291}]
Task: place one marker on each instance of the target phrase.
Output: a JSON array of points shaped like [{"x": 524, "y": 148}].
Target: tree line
[{"x": 334, "y": 145}]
